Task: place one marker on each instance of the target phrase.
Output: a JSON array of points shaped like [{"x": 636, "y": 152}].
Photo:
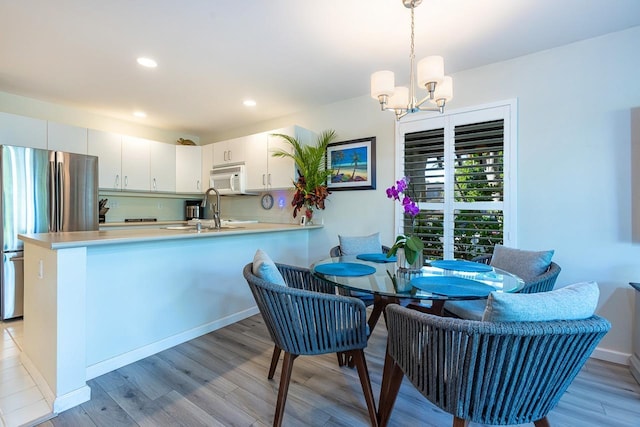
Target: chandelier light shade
[{"x": 429, "y": 75}]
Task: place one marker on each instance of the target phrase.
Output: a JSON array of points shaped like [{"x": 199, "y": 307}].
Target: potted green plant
[{"x": 311, "y": 187}]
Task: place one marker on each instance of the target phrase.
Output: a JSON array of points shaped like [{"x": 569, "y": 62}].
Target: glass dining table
[{"x": 436, "y": 282}]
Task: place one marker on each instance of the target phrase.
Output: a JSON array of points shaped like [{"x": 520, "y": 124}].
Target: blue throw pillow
[
  {"x": 577, "y": 301},
  {"x": 527, "y": 265},
  {"x": 265, "y": 268},
  {"x": 356, "y": 245}
]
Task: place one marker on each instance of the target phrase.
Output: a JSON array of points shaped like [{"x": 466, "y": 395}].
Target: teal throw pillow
[
  {"x": 527, "y": 265},
  {"x": 265, "y": 268},
  {"x": 577, "y": 301},
  {"x": 356, "y": 245}
]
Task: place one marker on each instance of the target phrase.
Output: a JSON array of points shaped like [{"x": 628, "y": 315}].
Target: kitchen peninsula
[{"x": 99, "y": 300}]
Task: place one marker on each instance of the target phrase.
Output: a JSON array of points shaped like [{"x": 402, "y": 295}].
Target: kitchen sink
[{"x": 204, "y": 229}]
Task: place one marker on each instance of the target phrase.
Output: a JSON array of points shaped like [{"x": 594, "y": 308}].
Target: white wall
[{"x": 574, "y": 164}]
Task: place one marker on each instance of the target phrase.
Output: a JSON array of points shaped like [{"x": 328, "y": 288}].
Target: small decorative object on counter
[{"x": 311, "y": 188}]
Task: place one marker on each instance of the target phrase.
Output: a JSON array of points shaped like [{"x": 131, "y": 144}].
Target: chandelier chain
[{"x": 412, "y": 60}]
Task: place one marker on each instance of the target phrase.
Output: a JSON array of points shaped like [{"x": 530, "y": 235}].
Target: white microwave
[{"x": 229, "y": 179}]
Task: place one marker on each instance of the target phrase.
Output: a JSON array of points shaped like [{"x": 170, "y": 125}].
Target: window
[{"x": 461, "y": 170}]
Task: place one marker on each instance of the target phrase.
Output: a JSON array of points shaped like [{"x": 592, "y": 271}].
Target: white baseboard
[
  {"x": 56, "y": 404},
  {"x": 634, "y": 367},
  {"x": 121, "y": 360},
  {"x": 69, "y": 400},
  {"x": 611, "y": 356}
]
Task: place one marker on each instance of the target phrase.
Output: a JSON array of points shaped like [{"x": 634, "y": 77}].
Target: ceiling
[{"x": 286, "y": 55}]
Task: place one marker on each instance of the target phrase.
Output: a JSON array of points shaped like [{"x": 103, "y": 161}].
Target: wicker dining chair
[
  {"x": 542, "y": 283},
  {"x": 307, "y": 322},
  {"x": 485, "y": 372},
  {"x": 473, "y": 309}
]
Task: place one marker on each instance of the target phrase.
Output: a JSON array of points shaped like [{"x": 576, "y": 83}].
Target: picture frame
[{"x": 353, "y": 163}]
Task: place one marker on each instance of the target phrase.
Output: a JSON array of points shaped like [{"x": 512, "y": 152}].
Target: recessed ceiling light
[
  {"x": 249, "y": 103},
  {"x": 140, "y": 114},
  {"x": 147, "y": 62}
]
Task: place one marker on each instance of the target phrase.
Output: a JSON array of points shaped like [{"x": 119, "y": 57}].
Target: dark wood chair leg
[
  {"x": 361, "y": 364},
  {"x": 542, "y": 422},
  {"x": 391, "y": 380},
  {"x": 341, "y": 358},
  {"x": 285, "y": 378},
  {"x": 459, "y": 422},
  {"x": 378, "y": 308},
  {"x": 274, "y": 361}
]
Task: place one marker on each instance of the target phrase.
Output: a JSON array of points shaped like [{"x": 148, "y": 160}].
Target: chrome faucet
[{"x": 216, "y": 212}]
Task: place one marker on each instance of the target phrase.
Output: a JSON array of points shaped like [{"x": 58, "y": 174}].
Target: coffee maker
[{"x": 193, "y": 210}]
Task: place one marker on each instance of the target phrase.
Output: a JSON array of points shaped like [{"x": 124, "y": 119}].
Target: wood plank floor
[{"x": 220, "y": 379}]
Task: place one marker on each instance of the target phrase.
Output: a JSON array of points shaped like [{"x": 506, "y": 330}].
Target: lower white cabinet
[{"x": 189, "y": 169}]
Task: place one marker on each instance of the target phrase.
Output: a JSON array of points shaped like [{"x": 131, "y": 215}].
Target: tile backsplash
[{"x": 172, "y": 208}]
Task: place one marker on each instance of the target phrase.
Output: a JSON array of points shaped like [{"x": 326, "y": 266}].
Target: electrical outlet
[
  {"x": 160, "y": 206},
  {"x": 40, "y": 269}
]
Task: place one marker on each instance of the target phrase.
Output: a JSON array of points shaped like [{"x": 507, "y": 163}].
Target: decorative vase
[
  {"x": 309, "y": 214},
  {"x": 407, "y": 271}
]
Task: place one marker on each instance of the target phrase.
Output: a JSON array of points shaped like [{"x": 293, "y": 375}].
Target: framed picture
[{"x": 353, "y": 163}]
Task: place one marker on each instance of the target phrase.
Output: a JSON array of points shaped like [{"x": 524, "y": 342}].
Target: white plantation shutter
[{"x": 460, "y": 169}]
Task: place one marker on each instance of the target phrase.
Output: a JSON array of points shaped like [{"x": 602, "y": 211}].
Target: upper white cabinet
[
  {"x": 267, "y": 172},
  {"x": 135, "y": 164},
  {"x": 162, "y": 165},
  {"x": 230, "y": 151},
  {"x": 61, "y": 137},
  {"x": 22, "y": 131},
  {"x": 189, "y": 169},
  {"x": 108, "y": 147},
  {"x": 207, "y": 164}
]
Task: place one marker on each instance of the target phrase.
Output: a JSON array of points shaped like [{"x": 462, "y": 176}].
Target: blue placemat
[
  {"x": 461, "y": 265},
  {"x": 376, "y": 257},
  {"x": 451, "y": 286},
  {"x": 345, "y": 269}
]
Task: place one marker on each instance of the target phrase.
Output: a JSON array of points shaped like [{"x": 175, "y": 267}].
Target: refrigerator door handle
[
  {"x": 59, "y": 189},
  {"x": 52, "y": 196}
]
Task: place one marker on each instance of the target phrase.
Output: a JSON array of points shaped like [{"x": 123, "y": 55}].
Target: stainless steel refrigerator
[{"x": 42, "y": 191}]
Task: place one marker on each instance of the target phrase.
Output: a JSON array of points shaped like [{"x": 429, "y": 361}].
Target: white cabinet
[
  {"x": 207, "y": 164},
  {"x": 162, "y": 165},
  {"x": 108, "y": 147},
  {"x": 22, "y": 131},
  {"x": 265, "y": 171},
  {"x": 230, "y": 151},
  {"x": 61, "y": 137},
  {"x": 189, "y": 169},
  {"x": 135, "y": 164}
]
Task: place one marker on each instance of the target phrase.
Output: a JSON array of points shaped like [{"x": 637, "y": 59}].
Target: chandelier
[{"x": 430, "y": 76}]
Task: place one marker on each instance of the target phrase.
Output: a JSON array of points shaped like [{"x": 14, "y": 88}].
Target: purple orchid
[{"x": 394, "y": 192}]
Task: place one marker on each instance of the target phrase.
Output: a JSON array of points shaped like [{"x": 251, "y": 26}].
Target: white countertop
[{"x": 136, "y": 235}]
